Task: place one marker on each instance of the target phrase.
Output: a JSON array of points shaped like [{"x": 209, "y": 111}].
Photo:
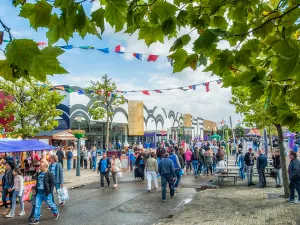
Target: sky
[{"x": 130, "y": 73}]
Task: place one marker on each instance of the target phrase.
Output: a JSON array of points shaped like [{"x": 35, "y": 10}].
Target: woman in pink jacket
[{"x": 188, "y": 159}]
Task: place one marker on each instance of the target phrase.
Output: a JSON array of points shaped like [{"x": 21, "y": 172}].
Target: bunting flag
[
  {"x": 86, "y": 47},
  {"x": 219, "y": 81},
  {"x": 59, "y": 88},
  {"x": 67, "y": 47},
  {"x": 120, "y": 49},
  {"x": 171, "y": 61},
  {"x": 69, "y": 90},
  {"x": 207, "y": 86},
  {"x": 138, "y": 56},
  {"x": 158, "y": 91},
  {"x": 42, "y": 43},
  {"x": 146, "y": 92},
  {"x": 152, "y": 58},
  {"x": 80, "y": 92},
  {"x": 105, "y": 50},
  {"x": 192, "y": 87}
]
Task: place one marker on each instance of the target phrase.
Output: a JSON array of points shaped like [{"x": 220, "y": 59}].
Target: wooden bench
[{"x": 226, "y": 175}]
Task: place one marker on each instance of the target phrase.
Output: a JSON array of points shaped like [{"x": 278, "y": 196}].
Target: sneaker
[
  {"x": 253, "y": 184},
  {"x": 176, "y": 190},
  {"x": 55, "y": 216},
  {"x": 149, "y": 191},
  {"x": 297, "y": 201},
  {"x": 10, "y": 216},
  {"x": 164, "y": 200},
  {"x": 22, "y": 213},
  {"x": 30, "y": 218},
  {"x": 173, "y": 195},
  {"x": 291, "y": 201},
  {"x": 35, "y": 222},
  {"x": 62, "y": 204}
]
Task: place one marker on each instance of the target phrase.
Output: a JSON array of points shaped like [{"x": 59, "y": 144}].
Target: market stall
[{"x": 18, "y": 150}]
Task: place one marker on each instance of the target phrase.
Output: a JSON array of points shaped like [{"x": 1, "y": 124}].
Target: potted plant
[{"x": 78, "y": 133}]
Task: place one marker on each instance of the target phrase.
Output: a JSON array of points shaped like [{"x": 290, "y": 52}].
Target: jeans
[
  {"x": 57, "y": 186},
  {"x": 214, "y": 167},
  {"x": 242, "y": 173},
  {"x": 4, "y": 194},
  {"x": 94, "y": 160},
  {"x": 14, "y": 200},
  {"x": 278, "y": 176},
  {"x": 178, "y": 177},
  {"x": 32, "y": 211},
  {"x": 249, "y": 174},
  {"x": 69, "y": 164},
  {"x": 85, "y": 163},
  {"x": 61, "y": 161},
  {"x": 195, "y": 167},
  {"x": 164, "y": 180},
  {"x": 114, "y": 176},
  {"x": 39, "y": 201},
  {"x": 102, "y": 175},
  {"x": 200, "y": 167},
  {"x": 294, "y": 184},
  {"x": 188, "y": 165},
  {"x": 262, "y": 177},
  {"x": 141, "y": 168},
  {"x": 152, "y": 176}
]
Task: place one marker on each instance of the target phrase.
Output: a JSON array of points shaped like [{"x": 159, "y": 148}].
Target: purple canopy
[{"x": 9, "y": 145}]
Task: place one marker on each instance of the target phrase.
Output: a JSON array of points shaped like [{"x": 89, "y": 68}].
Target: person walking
[
  {"x": 294, "y": 177},
  {"x": 201, "y": 161},
  {"x": 69, "y": 158},
  {"x": 277, "y": 167},
  {"x": 195, "y": 161},
  {"x": 140, "y": 163},
  {"x": 18, "y": 192},
  {"x": 85, "y": 158},
  {"x": 261, "y": 163},
  {"x": 208, "y": 160},
  {"x": 167, "y": 171},
  {"x": 115, "y": 168},
  {"x": 44, "y": 190},
  {"x": 104, "y": 167},
  {"x": 241, "y": 164},
  {"x": 94, "y": 158},
  {"x": 7, "y": 184},
  {"x": 188, "y": 158},
  {"x": 177, "y": 168},
  {"x": 60, "y": 155},
  {"x": 249, "y": 161},
  {"x": 32, "y": 200},
  {"x": 56, "y": 169},
  {"x": 152, "y": 171}
]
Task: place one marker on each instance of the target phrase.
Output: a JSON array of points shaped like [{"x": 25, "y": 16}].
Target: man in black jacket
[
  {"x": 277, "y": 167},
  {"x": 60, "y": 155},
  {"x": 249, "y": 161},
  {"x": 294, "y": 177},
  {"x": 7, "y": 184},
  {"x": 140, "y": 163},
  {"x": 44, "y": 189},
  {"x": 167, "y": 171}
]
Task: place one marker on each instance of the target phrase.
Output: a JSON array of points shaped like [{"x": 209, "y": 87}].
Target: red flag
[
  {"x": 207, "y": 86},
  {"x": 152, "y": 58},
  {"x": 219, "y": 81},
  {"x": 158, "y": 91},
  {"x": 146, "y": 92}
]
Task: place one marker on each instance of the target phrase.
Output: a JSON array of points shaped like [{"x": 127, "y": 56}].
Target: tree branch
[
  {"x": 7, "y": 29},
  {"x": 269, "y": 20},
  {"x": 148, "y": 5}
]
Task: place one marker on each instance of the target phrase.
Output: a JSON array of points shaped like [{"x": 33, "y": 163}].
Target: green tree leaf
[
  {"x": 168, "y": 26},
  {"x": 21, "y": 52},
  {"x": 57, "y": 30},
  {"x": 220, "y": 22},
  {"x": 151, "y": 34},
  {"x": 80, "y": 18},
  {"x": 205, "y": 40},
  {"x": 181, "y": 42},
  {"x": 115, "y": 13},
  {"x": 164, "y": 9},
  {"x": 47, "y": 64},
  {"x": 38, "y": 14},
  {"x": 179, "y": 57},
  {"x": 6, "y": 71}
]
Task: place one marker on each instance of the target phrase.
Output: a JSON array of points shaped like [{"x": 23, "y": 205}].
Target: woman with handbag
[{"x": 115, "y": 169}]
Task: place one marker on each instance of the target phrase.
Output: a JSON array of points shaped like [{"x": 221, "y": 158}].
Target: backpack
[{"x": 70, "y": 155}]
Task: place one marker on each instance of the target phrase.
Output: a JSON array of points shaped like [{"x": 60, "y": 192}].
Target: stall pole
[{"x": 78, "y": 158}]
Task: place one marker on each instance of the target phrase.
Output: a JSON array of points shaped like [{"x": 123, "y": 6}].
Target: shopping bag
[
  {"x": 63, "y": 194},
  {"x": 120, "y": 174},
  {"x": 181, "y": 172}
]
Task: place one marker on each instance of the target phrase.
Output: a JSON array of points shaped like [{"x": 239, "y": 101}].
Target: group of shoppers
[{"x": 48, "y": 176}]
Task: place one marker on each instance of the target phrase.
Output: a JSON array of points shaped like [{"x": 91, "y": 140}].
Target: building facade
[{"x": 164, "y": 123}]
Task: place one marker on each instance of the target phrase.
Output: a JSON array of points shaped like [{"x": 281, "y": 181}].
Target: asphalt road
[{"x": 129, "y": 204}]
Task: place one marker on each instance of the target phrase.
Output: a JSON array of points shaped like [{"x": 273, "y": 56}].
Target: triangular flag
[
  {"x": 60, "y": 88},
  {"x": 1, "y": 37},
  {"x": 108, "y": 94},
  {"x": 91, "y": 91},
  {"x": 158, "y": 91},
  {"x": 41, "y": 43},
  {"x": 152, "y": 58},
  {"x": 181, "y": 88},
  {"x": 70, "y": 90},
  {"x": 105, "y": 50},
  {"x": 80, "y": 92},
  {"x": 99, "y": 91},
  {"x": 146, "y": 92},
  {"x": 120, "y": 49},
  {"x": 192, "y": 87},
  {"x": 66, "y": 46},
  {"x": 171, "y": 61},
  {"x": 86, "y": 47},
  {"x": 124, "y": 92},
  {"x": 207, "y": 86},
  {"x": 112, "y": 95},
  {"x": 219, "y": 81},
  {"x": 138, "y": 56}
]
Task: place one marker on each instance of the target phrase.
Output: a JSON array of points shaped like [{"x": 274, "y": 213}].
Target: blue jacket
[
  {"x": 59, "y": 175},
  {"x": 166, "y": 167},
  {"x": 241, "y": 162},
  {"x": 175, "y": 160},
  {"x": 294, "y": 169},
  {"x": 261, "y": 161}
]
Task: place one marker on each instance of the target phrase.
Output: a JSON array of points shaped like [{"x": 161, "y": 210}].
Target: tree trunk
[
  {"x": 283, "y": 161},
  {"x": 107, "y": 132},
  {"x": 270, "y": 139}
]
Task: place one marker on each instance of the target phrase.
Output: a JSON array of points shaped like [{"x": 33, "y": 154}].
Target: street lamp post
[{"x": 78, "y": 118}]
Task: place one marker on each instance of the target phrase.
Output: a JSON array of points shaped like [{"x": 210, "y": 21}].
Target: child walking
[
  {"x": 32, "y": 200},
  {"x": 18, "y": 192}
]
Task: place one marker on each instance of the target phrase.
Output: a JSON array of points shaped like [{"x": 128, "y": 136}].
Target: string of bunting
[
  {"x": 118, "y": 49},
  {"x": 145, "y": 92}
]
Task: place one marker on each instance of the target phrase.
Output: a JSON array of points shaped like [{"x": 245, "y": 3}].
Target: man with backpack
[{"x": 69, "y": 158}]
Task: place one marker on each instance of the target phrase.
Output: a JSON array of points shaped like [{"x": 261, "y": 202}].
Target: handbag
[
  {"x": 120, "y": 174},
  {"x": 63, "y": 194},
  {"x": 181, "y": 172}
]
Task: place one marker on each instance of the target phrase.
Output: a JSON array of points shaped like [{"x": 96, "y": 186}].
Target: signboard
[
  {"x": 136, "y": 118},
  {"x": 187, "y": 120},
  {"x": 124, "y": 162}
]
